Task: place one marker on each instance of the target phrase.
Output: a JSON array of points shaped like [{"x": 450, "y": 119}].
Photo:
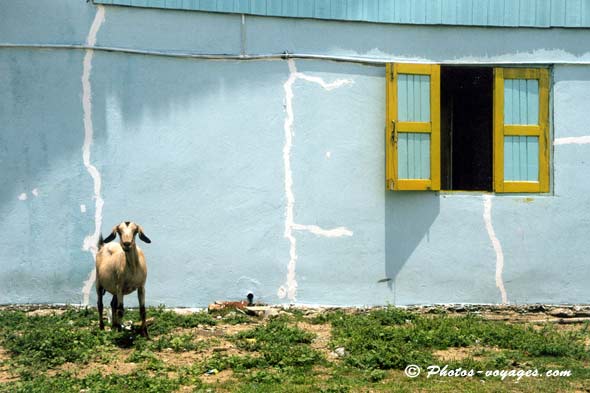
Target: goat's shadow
[
  {"x": 127, "y": 338},
  {"x": 408, "y": 218}
]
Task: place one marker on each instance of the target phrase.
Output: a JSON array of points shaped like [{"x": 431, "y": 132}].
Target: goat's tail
[{"x": 100, "y": 242}]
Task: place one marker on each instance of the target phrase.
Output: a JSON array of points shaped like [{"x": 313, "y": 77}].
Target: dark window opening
[{"x": 466, "y": 128}]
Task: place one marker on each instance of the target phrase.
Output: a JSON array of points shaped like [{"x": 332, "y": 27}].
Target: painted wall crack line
[
  {"x": 91, "y": 240},
  {"x": 487, "y": 217},
  {"x": 289, "y": 290},
  {"x": 572, "y": 140}
]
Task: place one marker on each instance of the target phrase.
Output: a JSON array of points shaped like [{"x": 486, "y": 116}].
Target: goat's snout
[{"x": 126, "y": 245}]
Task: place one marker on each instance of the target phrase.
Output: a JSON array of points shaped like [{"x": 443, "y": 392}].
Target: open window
[{"x": 468, "y": 128}]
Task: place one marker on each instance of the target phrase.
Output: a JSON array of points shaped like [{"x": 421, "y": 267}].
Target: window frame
[{"x": 500, "y": 130}]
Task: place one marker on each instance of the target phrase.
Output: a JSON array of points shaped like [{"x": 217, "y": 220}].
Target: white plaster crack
[
  {"x": 487, "y": 217},
  {"x": 572, "y": 140},
  {"x": 289, "y": 290},
  {"x": 91, "y": 240}
]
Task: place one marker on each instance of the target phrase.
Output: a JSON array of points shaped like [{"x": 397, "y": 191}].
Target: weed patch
[
  {"x": 392, "y": 338},
  {"x": 279, "y": 344}
]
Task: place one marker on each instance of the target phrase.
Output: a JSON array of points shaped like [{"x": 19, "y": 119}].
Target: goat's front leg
[
  {"x": 117, "y": 310},
  {"x": 141, "y": 297},
  {"x": 100, "y": 293}
]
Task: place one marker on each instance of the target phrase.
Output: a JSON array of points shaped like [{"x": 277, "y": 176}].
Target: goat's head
[{"x": 127, "y": 231}]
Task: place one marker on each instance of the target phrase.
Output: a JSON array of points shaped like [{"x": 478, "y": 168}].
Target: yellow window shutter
[
  {"x": 521, "y": 130},
  {"x": 413, "y": 127}
]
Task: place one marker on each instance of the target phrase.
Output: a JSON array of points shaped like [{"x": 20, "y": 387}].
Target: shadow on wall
[{"x": 408, "y": 217}]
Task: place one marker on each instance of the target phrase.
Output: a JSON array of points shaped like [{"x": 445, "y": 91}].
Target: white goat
[{"x": 120, "y": 270}]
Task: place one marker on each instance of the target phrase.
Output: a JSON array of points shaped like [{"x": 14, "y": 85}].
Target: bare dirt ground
[{"x": 5, "y": 375}]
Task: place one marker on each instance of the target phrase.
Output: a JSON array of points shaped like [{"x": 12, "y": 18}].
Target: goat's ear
[
  {"x": 142, "y": 236},
  {"x": 112, "y": 236}
]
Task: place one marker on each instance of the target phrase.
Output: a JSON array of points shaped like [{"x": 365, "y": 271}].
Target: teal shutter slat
[
  {"x": 173, "y": 3},
  {"x": 522, "y": 158},
  {"x": 289, "y": 8},
  {"x": 449, "y": 12},
  {"x": 417, "y": 158},
  {"x": 557, "y": 13},
  {"x": 434, "y": 12},
  {"x": 508, "y": 162},
  {"x": 508, "y": 116},
  {"x": 522, "y": 102},
  {"x": 402, "y": 97},
  {"x": 573, "y": 12},
  {"x": 411, "y": 159},
  {"x": 496, "y": 13},
  {"x": 402, "y": 156},
  {"x": 532, "y": 158},
  {"x": 532, "y": 101},
  {"x": 418, "y": 12},
  {"x": 515, "y": 102},
  {"x": 274, "y": 7},
  {"x": 402, "y": 11},
  {"x": 511, "y": 11},
  {"x": 425, "y": 156},
  {"x": 425, "y": 98},
  {"x": 417, "y": 99},
  {"x": 516, "y": 157},
  {"x": 410, "y": 98},
  {"x": 386, "y": 9},
  {"x": 414, "y": 96}
]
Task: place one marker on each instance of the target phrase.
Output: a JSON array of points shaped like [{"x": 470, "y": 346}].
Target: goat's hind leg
[
  {"x": 141, "y": 297},
  {"x": 100, "y": 293}
]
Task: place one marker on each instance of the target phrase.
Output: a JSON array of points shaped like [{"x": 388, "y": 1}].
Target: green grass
[{"x": 278, "y": 355}]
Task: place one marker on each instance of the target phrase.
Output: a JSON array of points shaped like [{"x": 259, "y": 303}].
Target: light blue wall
[{"x": 194, "y": 151}]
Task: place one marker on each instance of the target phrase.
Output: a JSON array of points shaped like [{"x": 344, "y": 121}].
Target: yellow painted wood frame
[
  {"x": 501, "y": 130},
  {"x": 393, "y": 127}
]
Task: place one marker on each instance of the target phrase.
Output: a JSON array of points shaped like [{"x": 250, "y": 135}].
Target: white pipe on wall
[{"x": 277, "y": 56}]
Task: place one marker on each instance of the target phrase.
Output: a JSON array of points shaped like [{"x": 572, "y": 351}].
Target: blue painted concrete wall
[{"x": 194, "y": 150}]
